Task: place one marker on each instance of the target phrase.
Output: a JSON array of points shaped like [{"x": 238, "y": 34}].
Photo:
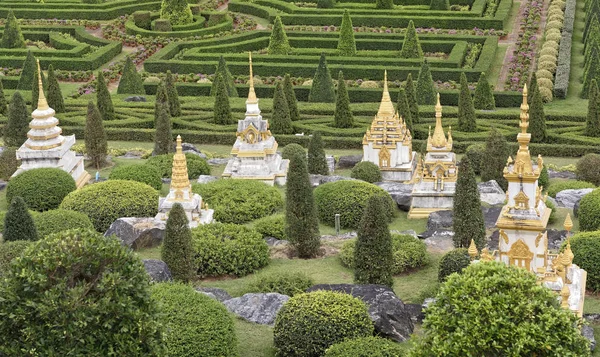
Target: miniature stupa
[
  {"x": 435, "y": 177},
  {"x": 181, "y": 192},
  {"x": 522, "y": 228},
  {"x": 46, "y": 147},
  {"x": 388, "y": 142},
  {"x": 254, "y": 152}
]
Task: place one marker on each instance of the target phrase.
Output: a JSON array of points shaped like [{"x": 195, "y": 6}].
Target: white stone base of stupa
[
  {"x": 426, "y": 199},
  {"x": 195, "y": 215}
]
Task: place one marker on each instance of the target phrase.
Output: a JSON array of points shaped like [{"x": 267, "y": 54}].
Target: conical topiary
[
  {"x": 222, "y": 110},
  {"x": 404, "y": 109},
  {"x": 484, "y": 96},
  {"x": 440, "y": 5},
  {"x": 163, "y": 138},
  {"x": 342, "y": 117},
  {"x": 532, "y": 87},
  {"x": 18, "y": 223},
  {"x": 96, "y": 146},
  {"x": 224, "y": 72},
  {"x": 425, "y": 89},
  {"x": 322, "y": 85},
  {"x": 466, "y": 111},
  {"x": 411, "y": 97},
  {"x": 317, "y": 162},
  {"x": 468, "y": 220},
  {"x": 177, "y": 250},
  {"x": 537, "y": 118},
  {"x": 3, "y": 102},
  {"x": 280, "y": 122},
  {"x": 103, "y": 99},
  {"x": 411, "y": 47},
  {"x": 131, "y": 82},
  {"x": 17, "y": 126},
  {"x": 161, "y": 99},
  {"x": 278, "y": 43},
  {"x": 290, "y": 96},
  {"x": 592, "y": 124},
  {"x": 495, "y": 154},
  {"x": 28, "y": 69},
  {"x": 174, "y": 106},
  {"x": 346, "y": 43},
  {"x": 177, "y": 12},
  {"x": 54, "y": 94},
  {"x": 12, "y": 36}
]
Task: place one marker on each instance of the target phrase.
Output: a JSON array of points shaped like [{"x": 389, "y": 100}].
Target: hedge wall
[
  {"x": 563, "y": 69},
  {"x": 76, "y": 10},
  {"x": 226, "y": 25}
]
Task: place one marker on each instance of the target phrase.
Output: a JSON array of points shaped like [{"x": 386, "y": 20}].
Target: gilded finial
[
  {"x": 564, "y": 294},
  {"x": 386, "y": 108},
  {"x": 251, "y": 94},
  {"x": 439, "y": 139},
  {"x": 179, "y": 174},
  {"x": 42, "y": 103},
  {"x": 438, "y": 105},
  {"x": 568, "y": 223},
  {"x": 473, "y": 252}
]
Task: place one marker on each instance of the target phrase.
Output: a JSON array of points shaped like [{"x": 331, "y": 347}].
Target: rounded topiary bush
[
  {"x": 549, "y": 66},
  {"x": 556, "y": 186},
  {"x": 542, "y": 73},
  {"x": 554, "y": 24},
  {"x": 228, "y": 249},
  {"x": 271, "y": 226},
  {"x": 308, "y": 324},
  {"x": 292, "y": 149},
  {"x": 349, "y": 199},
  {"x": 588, "y": 169},
  {"x": 104, "y": 202},
  {"x": 196, "y": 325},
  {"x": 453, "y": 262},
  {"x": 546, "y": 93},
  {"x": 366, "y": 347},
  {"x": 41, "y": 189},
  {"x": 147, "y": 174},
  {"x": 164, "y": 163},
  {"x": 552, "y": 44},
  {"x": 78, "y": 293},
  {"x": 409, "y": 253},
  {"x": 366, "y": 171},
  {"x": 586, "y": 251},
  {"x": 545, "y": 82},
  {"x": 9, "y": 251},
  {"x": 8, "y": 163},
  {"x": 286, "y": 283},
  {"x": 476, "y": 153},
  {"x": 589, "y": 211},
  {"x": 240, "y": 201},
  {"x": 58, "y": 220}
]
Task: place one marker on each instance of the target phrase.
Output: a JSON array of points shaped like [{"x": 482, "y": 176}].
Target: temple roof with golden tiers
[
  {"x": 179, "y": 173},
  {"x": 438, "y": 141},
  {"x": 387, "y": 128}
]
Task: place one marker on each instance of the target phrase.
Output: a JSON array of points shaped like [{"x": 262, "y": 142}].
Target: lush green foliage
[
  {"x": 28, "y": 69},
  {"x": 537, "y": 118},
  {"x": 228, "y": 249},
  {"x": 475, "y": 153},
  {"x": 589, "y": 211},
  {"x": 96, "y": 146},
  {"x": 103, "y": 99},
  {"x": 403, "y": 109},
  {"x": 544, "y": 179},
  {"x": 484, "y": 96},
  {"x": 425, "y": 91},
  {"x": 18, "y": 224},
  {"x": 586, "y": 249},
  {"x": 588, "y": 169},
  {"x": 3, "y": 102},
  {"x": 9, "y": 251},
  {"x": 366, "y": 171},
  {"x": 223, "y": 70},
  {"x": 322, "y": 85},
  {"x": 222, "y": 109},
  {"x": 131, "y": 82},
  {"x": 592, "y": 124},
  {"x": 286, "y": 283},
  {"x": 496, "y": 153},
  {"x": 384, "y": 4},
  {"x": 557, "y": 186},
  {"x": 366, "y": 347},
  {"x": 443, "y": 5},
  {"x": 176, "y": 11},
  {"x": 346, "y": 44},
  {"x": 280, "y": 123},
  {"x": 8, "y": 163},
  {"x": 147, "y": 174},
  {"x": 411, "y": 96},
  {"x": 174, "y": 105},
  {"x": 163, "y": 136},
  {"x": 164, "y": 163},
  {"x": 17, "y": 126},
  {"x": 60, "y": 220},
  {"x": 290, "y": 97},
  {"x": 278, "y": 43},
  {"x": 41, "y": 189},
  {"x": 292, "y": 149},
  {"x": 104, "y": 202},
  {"x": 176, "y": 250},
  {"x": 325, "y": 4},
  {"x": 308, "y": 324},
  {"x": 342, "y": 117},
  {"x": 453, "y": 262},
  {"x": 317, "y": 163},
  {"x": 54, "y": 94},
  {"x": 468, "y": 223},
  {"x": 411, "y": 47},
  {"x": 12, "y": 36},
  {"x": 466, "y": 110},
  {"x": 271, "y": 226}
]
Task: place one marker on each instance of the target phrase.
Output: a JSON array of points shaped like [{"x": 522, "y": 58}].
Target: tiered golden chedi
[
  {"x": 435, "y": 176},
  {"x": 254, "y": 153},
  {"x": 46, "y": 147},
  {"x": 522, "y": 227},
  {"x": 181, "y": 192},
  {"x": 388, "y": 142}
]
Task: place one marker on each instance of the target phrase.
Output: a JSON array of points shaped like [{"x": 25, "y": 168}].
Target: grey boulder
[
  {"x": 317, "y": 180},
  {"x": 158, "y": 270},
  {"x": 568, "y": 198},
  {"x": 137, "y": 232},
  {"x": 401, "y": 193},
  {"x": 588, "y": 332},
  {"x": 491, "y": 193},
  {"x": 217, "y": 161},
  {"x": 188, "y": 148},
  {"x": 444, "y": 219},
  {"x": 135, "y": 98},
  {"x": 215, "y": 293},
  {"x": 561, "y": 174},
  {"x": 260, "y": 308},
  {"x": 439, "y": 240},
  {"x": 348, "y": 161}
]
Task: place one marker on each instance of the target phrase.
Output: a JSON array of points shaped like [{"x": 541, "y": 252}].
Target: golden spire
[
  {"x": 564, "y": 294},
  {"x": 568, "y": 224},
  {"x": 439, "y": 139},
  {"x": 473, "y": 249},
  {"x": 386, "y": 108},
  {"x": 251, "y": 94},
  {"x": 179, "y": 175},
  {"x": 568, "y": 253},
  {"x": 523, "y": 165},
  {"x": 42, "y": 103}
]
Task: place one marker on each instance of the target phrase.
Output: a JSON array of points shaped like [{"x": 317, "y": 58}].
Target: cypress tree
[
  {"x": 131, "y": 82},
  {"x": 3, "y": 102},
  {"x": 592, "y": 124},
  {"x": 280, "y": 122},
  {"x": 484, "y": 96},
  {"x": 177, "y": 251},
  {"x": 342, "y": 117},
  {"x": 468, "y": 220},
  {"x": 290, "y": 97},
  {"x": 278, "y": 43},
  {"x": 411, "y": 47},
  {"x": 54, "y": 94},
  {"x": 537, "y": 118},
  {"x": 103, "y": 99},
  {"x": 384, "y": 4},
  {"x": 403, "y": 109},
  {"x": 35, "y": 89},
  {"x": 301, "y": 224},
  {"x": 411, "y": 97},
  {"x": 496, "y": 154},
  {"x": 425, "y": 90},
  {"x": 317, "y": 163},
  {"x": 443, "y": 5},
  {"x": 229, "y": 83},
  {"x": 222, "y": 110},
  {"x": 160, "y": 100},
  {"x": 532, "y": 87},
  {"x": 590, "y": 72},
  {"x": 373, "y": 255},
  {"x": 95, "y": 137},
  {"x": 466, "y": 111},
  {"x": 12, "y": 36},
  {"x": 27, "y": 71},
  {"x": 17, "y": 126},
  {"x": 346, "y": 44},
  {"x": 174, "y": 106},
  {"x": 322, "y": 85},
  {"x": 18, "y": 223},
  {"x": 163, "y": 138}
]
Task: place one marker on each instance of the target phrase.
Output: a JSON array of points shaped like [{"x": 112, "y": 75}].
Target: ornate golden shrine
[{"x": 180, "y": 181}]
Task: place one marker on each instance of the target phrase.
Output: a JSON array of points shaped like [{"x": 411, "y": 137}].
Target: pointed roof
[
  {"x": 251, "y": 94},
  {"x": 42, "y": 103},
  {"x": 179, "y": 174},
  {"x": 438, "y": 141},
  {"x": 386, "y": 108}
]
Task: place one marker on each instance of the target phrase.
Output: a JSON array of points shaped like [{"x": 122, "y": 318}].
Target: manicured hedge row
[
  {"x": 563, "y": 69},
  {"x": 79, "y": 10},
  {"x": 132, "y": 29}
]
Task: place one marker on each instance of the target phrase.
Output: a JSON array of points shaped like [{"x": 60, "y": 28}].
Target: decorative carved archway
[
  {"x": 519, "y": 255},
  {"x": 384, "y": 157}
]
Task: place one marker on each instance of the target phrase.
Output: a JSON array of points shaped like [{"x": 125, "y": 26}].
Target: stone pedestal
[{"x": 195, "y": 215}]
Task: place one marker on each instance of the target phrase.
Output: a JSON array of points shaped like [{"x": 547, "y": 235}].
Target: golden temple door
[{"x": 519, "y": 255}]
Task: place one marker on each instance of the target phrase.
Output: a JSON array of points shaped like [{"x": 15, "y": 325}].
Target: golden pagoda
[
  {"x": 388, "y": 142},
  {"x": 46, "y": 147},
  {"x": 435, "y": 179}
]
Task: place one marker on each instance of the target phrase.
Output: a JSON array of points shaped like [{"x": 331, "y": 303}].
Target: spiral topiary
[
  {"x": 41, "y": 189},
  {"x": 366, "y": 171},
  {"x": 59, "y": 220},
  {"x": 195, "y": 164},
  {"x": 148, "y": 174}
]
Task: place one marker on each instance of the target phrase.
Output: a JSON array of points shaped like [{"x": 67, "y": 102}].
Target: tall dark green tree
[
  {"x": 403, "y": 109},
  {"x": 12, "y": 36},
  {"x": 425, "y": 89},
  {"x": 322, "y": 85},
  {"x": 278, "y": 43},
  {"x": 468, "y": 220},
  {"x": 222, "y": 110},
  {"x": 131, "y": 82},
  {"x": 442, "y": 5},
  {"x": 280, "y": 122},
  {"x": 161, "y": 100},
  {"x": 317, "y": 163},
  {"x": 163, "y": 137},
  {"x": 411, "y": 47},
  {"x": 537, "y": 118},
  {"x": 346, "y": 43},
  {"x": 342, "y": 117},
  {"x": 3, "y": 102},
  {"x": 35, "y": 89},
  {"x": 290, "y": 96},
  {"x": 484, "y": 96},
  {"x": 301, "y": 223},
  {"x": 177, "y": 251},
  {"x": 17, "y": 126},
  {"x": 466, "y": 111},
  {"x": 103, "y": 99},
  {"x": 54, "y": 94},
  {"x": 223, "y": 70},
  {"x": 411, "y": 97},
  {"x": 384, "y": 4},
  {"x": 174, "y": 106},
  {"x": 373, "y": 254},
  {"x": 27, "y": 70},
  {"x": 495, "y": 154},
  {"x": 592, "y": 124},
  {"x": 96, "y": 146},
  {"x": 532, "y": 87},
  {"x": 18, "y": 223}
]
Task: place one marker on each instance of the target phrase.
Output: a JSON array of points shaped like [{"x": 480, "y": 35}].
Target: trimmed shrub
[
  {"x": 589, "y": 212},
  {"x": 308, "y": 324},
  {"x": 280, "y": 123},
  {"x": 240, "y": 201},
  {"x": 163, "y": 25},
  {"x": 453, "y": 262},
  {"x": 292, "y": 149},
  {"x": 403, "y": 109},
  {"x": 27, "y": 70},
  {"x": 384, "y": 4},
  {"x": 588, "y": 169},
  {"x": 342, "y": 116},
  {"x": 60, "y": 220},
  {"x": 325, "y": 4},
  {"x": 18, "y": 223},
  {"x": 174, "y": 105},
  {"x": 103, "y": 99},
  {"x": 317, "y": 162},
  {"x": 552, "y": 217},
  {"x": 366, "y": 171},
  {"x": 544, "y": 179},
  {"x": 143, "y": 19},
  {"x": 95, "y": 289},
  {"x": 592, "y": 123},
  {"x": 346, "y": 44},
  {"x": 12, "y": 36},
  {"x": 290, "y": 97},
  {"x": 223, "y": 70},
  {"x": 466, "y": 110},
  {"x": 426, "y": 94},
  {"x": 556, "y": 186},
  {"x": 586, "y": 251},
  {"x": 468, "y": 222},
  {"x": 8, "y": 163},
  {"x": 131, "y": 82},
  {"x": 176, "y": 250},
  {"x": 147, "y": 174},
  {"x": 285, "y": 283},
  {"x": 228, "y": 249},
  {"x": 104, "y": 202},
  {"x": 496, "y": 154},
  {"x": 484, "y": 96},
  {"x": 411, "y": 96},
  {"x": 443, "y": 5},
  {"x": 41, "y": 189},
  {"x": 366, "y": 346},
  {"x": 163, "y": 135},
  {"x": 411, "y": 47},
  {"x": 54, "y": 94},
  {"x": 9, "y": 251},
  {"x": 278, "y": 43},
  {"x": 3, "y": 102},
  {"x": 17, "y": 126},
  {"x": 475, "y": 153},
  {"x": 96, "y": 146},
  {"x": 349, "y": 199},
  {"x": 177, "y": 12},
  {"x": 271, "y": 226},
  {"x": 196, "y": 325},
  {"x": 222, "y": 109},
  {"x": 164, "y": 163},
  {"x": 322, "y": 85}
]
